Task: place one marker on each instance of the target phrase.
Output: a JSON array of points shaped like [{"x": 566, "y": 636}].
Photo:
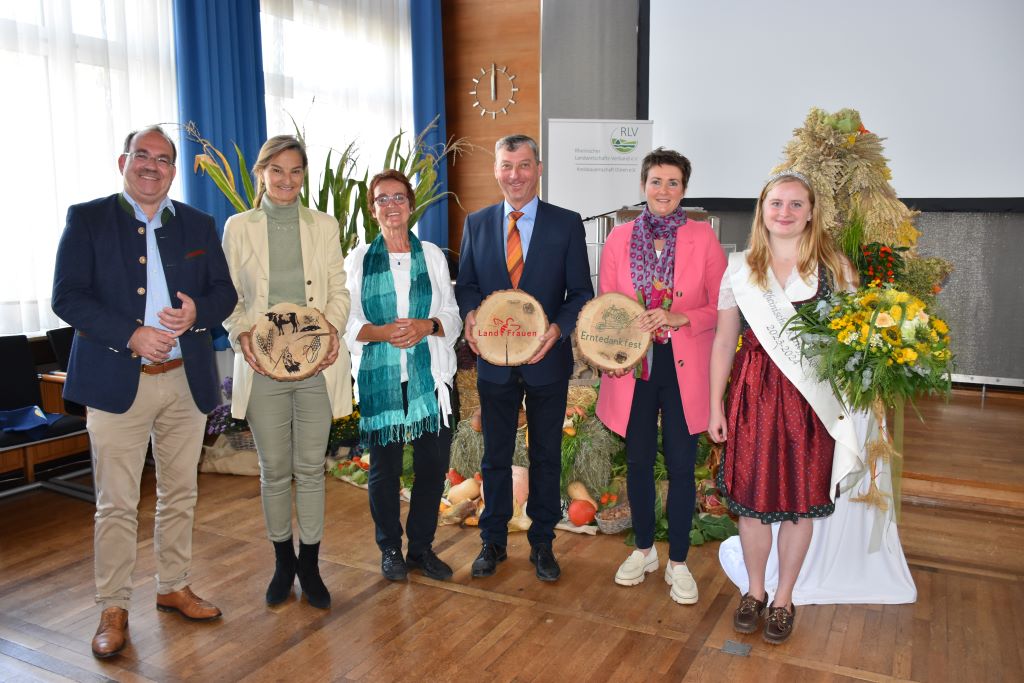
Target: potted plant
[{"x": 342, "y": 192}]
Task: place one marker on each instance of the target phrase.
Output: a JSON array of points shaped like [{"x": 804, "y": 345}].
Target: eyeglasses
[
  {"x": 383, "y": 200},
  {"x": 163, "y": 162}
]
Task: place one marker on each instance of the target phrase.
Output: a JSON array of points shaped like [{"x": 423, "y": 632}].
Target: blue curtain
[
  {"x": 219, "y": 55},
  {"x": 428, "y": 102}
]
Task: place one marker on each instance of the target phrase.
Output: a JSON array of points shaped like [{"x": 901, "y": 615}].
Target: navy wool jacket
[
  {"x": 99, "y": 288},
  {"x": 556, "y": 273}
]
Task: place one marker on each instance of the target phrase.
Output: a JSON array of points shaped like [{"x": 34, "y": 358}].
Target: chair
[
  {"x": 66, "y": 436},
  {"x": 60, "y": 342}
]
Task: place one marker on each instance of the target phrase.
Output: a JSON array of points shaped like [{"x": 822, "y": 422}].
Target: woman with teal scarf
[{"x": 402, "y": 332}]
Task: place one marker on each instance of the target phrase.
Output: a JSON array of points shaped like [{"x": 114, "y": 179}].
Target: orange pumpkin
[{"x": 581, "y": 512}]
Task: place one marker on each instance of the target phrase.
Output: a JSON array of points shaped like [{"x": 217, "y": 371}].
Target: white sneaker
[
  {"x": 636, "y": 567},
  {"x": 684, "y": 588}
]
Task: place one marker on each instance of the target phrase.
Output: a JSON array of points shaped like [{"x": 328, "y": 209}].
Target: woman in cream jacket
[{"x": 280, "y": 252}]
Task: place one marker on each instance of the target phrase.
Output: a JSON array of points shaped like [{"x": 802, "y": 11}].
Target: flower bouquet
[
  {"x": 876, "y": 348},
  {"x": 878, "y": 343}
]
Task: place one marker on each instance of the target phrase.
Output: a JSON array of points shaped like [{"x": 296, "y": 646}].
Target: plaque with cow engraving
[
  {"x": 509, "y": 325},
  {"x": 606, "y": 332},
  {"x": 290, "y": 341}
]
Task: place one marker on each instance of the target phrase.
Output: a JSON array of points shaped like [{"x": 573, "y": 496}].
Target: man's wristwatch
[{"x": 437, "y": 326}]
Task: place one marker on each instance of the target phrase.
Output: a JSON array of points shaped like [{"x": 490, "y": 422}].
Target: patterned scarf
[
  {"x": 652, "y": 277},
  {"x": 382, "y": 417}
]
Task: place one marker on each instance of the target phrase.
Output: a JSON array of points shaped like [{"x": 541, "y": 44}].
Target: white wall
[{"x": 943, "y": 80}]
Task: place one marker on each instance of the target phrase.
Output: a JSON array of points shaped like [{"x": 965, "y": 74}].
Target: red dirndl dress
[{"x": 777, "y": 463}]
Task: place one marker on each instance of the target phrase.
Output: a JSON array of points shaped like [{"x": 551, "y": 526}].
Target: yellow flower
[
  {"x": 837, "y": 324},
  {"x": 940, "y": 325},
  {"x": 868, "y": 299},
  {"x": 896, "y": 311},
  {"x": 901, "y": 297},
  {"x": 891, "y": 335},
  {"x": 886, "y": 173},
  {"x": 851, "y": 140}
]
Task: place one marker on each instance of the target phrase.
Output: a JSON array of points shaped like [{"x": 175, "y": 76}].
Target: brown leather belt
[{"x": 160, "y": 368}]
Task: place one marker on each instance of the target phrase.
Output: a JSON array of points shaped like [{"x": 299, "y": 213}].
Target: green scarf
[{"x": 382, "y": 417}]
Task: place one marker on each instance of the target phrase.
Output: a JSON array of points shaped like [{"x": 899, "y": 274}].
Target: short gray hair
[
  {"x": 512, "y": 143},
  {"x": 146, "y": 131}
]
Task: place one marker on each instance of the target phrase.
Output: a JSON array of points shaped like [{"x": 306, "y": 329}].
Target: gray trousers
[{"x": 291, "y": 422}]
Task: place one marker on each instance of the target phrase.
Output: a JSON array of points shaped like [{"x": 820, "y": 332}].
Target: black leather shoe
[
  {"x": 430, "y": 564},
  {"x": 543, "y": 558},
  {"x": 392, "y": 566},
  {"x": 486, "y": 563}
]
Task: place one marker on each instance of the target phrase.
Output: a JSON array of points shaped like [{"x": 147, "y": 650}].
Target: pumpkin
[
  {"x": 520, "y": 484},
  {"x": 581, "y": 512},
  {"x": 467, "y": 490}
]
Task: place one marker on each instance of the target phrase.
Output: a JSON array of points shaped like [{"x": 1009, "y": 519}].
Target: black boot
[
  {"x": 284, "y": 573},
  {"x": 309, "y": 576}
]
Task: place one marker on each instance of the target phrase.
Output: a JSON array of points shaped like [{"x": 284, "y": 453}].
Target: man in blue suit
[
  {"x": 142, "y": 279},
  {"x": 539, "y": 248}
]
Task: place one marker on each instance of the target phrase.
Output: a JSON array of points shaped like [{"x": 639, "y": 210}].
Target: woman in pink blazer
[{"x": 675, "y": 265}]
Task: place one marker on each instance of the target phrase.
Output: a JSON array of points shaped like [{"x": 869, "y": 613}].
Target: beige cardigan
[{"x": 245, "y": 245}]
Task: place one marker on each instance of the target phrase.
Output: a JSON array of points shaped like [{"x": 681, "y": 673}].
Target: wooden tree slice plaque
[
  {"x": 509, "y": 324},
  {"x": 290, "y": 342},
  {"x": 606, "y": 334}
]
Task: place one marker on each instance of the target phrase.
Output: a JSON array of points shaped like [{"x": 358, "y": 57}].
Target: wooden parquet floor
[{"x": 967, "y": 624}]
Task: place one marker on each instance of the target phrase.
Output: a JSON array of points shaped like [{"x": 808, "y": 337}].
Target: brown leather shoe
[
  {"x": 747, "y": 617},
  {"x": 779, "y": 624},
  {"x": 110, "y": 634},
  {"x": 188, "y": 604}
]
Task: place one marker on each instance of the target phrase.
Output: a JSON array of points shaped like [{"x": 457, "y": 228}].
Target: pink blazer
[{"x": 700, "y": 263}]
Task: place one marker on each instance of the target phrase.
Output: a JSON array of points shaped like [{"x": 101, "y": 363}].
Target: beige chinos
[{"x": 165, "y": 412}]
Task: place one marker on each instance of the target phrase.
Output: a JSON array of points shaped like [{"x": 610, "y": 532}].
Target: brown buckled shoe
[
  {"x": 779, "y": 625},
  {"x": 747, "y": 617},
  {"x": 188, "y": 604},
  {"x": 110, "y": 634}
]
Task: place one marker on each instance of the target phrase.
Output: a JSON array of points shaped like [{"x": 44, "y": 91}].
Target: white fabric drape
[
  {"x": 78, "y": 76},
  {"x": 343, "y": 70}
]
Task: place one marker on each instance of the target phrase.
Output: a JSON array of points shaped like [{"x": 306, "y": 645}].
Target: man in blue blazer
[
  {"x": 142, "y": 279},
  {"x": 554, "y": 269}
]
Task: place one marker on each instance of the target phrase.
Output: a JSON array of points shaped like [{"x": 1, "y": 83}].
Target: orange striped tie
[{"x": 514, "y": 260}]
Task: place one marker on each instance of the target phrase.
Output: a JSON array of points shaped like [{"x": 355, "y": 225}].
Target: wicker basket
[
  {"x": 241, "y": 441},
  {"x": 616, "y": 525}
]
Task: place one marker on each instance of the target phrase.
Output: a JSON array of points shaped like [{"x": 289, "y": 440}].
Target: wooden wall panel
[{"x": 475, "y": 35}]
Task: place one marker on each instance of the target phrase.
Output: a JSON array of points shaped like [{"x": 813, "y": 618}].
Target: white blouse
[{"x": 442, "y": 306}]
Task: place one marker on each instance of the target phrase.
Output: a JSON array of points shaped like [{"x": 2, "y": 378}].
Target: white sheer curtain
[
  {"x": 78, "y": 75},
  {"x": 343, "y": 70}
]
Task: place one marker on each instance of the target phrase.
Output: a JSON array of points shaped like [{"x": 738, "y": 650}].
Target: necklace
[{"x": 398, "y": 258}]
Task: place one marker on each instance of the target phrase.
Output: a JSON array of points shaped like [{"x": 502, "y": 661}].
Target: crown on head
[{"x": 789, "y": 173}]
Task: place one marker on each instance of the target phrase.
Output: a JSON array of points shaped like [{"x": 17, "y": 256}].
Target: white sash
[{"x": 767, "y": 313}]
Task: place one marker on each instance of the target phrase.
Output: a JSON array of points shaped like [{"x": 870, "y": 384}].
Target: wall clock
[{"x": 494, "y": 90}]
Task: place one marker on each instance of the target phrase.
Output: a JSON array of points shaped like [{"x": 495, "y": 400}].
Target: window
[
  {"x": 78, "y": 76},
  {"x": 343, "y": 70}
]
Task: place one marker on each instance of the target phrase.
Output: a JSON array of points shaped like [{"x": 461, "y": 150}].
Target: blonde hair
[
  {"x": 270, "y": 149},
  {"x": 816, "y": 245}
]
